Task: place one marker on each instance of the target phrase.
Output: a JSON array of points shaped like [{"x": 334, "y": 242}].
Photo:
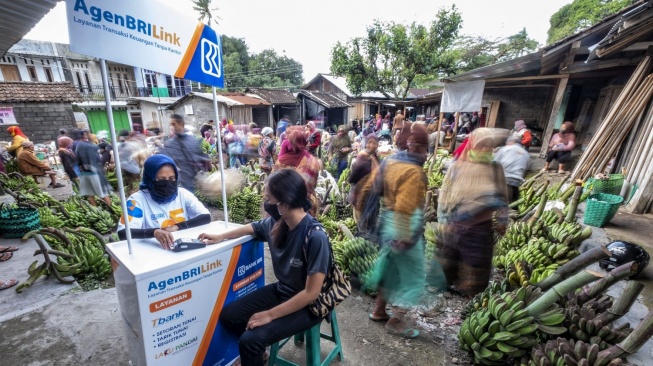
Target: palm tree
[{"x": 204, "y": 8}]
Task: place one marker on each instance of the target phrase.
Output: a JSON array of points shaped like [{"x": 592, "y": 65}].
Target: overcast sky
[{"x": 306, "y": 30}]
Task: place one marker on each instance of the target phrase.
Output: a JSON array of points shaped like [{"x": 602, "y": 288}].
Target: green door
[{"x": 97, "y": 121}]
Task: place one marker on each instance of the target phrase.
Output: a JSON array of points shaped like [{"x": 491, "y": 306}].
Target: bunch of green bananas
[
  {"x": 506, "y": 328},
  {"x": 541, "y": 273},
  {"x": 350, "y": 223},
  {"x": 11, "y": 166},
  {"x": 585, "y": 325},
  {"x": 431, "y": 233},
  {"x": 570, "y": 234},
  {"x": 76, "y": 219},
  {"x": 519, "y": 273},
  {"x": 358, "y": 255},
  {"x": 102, "y": 221},
  {"x": 481, "y": 300},
  {"x": 253, "y": 206},
  {"x": 517, "y": 236},
  {"x": 87, "y": 248},
  {"x": 540, "y": 253},
  {"x": 551, "y": 217},
  {"x": 49, "y": 219},
  {"x": 237, "y": 205},
  {"x": 529, "y": 197},
  {"x": 569, "y": 352}
]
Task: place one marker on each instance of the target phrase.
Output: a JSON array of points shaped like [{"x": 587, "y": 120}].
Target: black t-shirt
[{"x": 290, "y": 263}]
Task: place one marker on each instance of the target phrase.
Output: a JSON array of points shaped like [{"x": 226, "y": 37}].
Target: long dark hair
[{"x": 287, "y": 186}]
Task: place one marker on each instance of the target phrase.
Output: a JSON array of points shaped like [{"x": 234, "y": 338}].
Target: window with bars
[{"x": 32, "y": 73}]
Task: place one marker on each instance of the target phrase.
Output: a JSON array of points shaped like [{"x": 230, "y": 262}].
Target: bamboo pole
[
  {"x": 635, "y": 340},
  {"x": 608, "y": 124},
  {"x": 575, "y": 199},
  {"x": 574, "y": 266},
  {"x": 640, "y": 157}
]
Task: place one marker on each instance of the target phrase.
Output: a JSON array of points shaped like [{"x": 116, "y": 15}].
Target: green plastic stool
[{"x": 313, "y": 355}]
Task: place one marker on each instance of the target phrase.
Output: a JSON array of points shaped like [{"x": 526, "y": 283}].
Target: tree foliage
[
  {"x": 264, "y": 69},
  {"x": 474, "y": 52},
  {"x": 581, "y": 14},
  {"x": 392, "y": 56},
  {"x": 203, "y": 7}
]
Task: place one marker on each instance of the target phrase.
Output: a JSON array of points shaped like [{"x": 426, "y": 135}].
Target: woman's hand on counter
[
  {"x": 165, "y": 238},
  {"x": 172, "y": 229},
  {"x": 211, "y": 238}
]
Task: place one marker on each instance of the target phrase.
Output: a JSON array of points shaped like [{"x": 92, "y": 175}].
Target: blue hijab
[{"x": 150, "y": 169}]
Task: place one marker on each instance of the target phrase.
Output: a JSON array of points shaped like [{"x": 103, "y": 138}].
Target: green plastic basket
[
  {"x": 611, "y": 185},
  {"x": 601, "y": 208}
]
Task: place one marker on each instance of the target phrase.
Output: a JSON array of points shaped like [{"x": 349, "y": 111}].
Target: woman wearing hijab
[
  {"x": 160, "y": 207},
  {"x": 235, "y": 146},
  {"x": 18, "y": 137},
  {"x": 339, "y": 149},
  {"x": 29, "y": 164},
  {"x": 314, "y": 138},
  {"x": 266, "y": 150},
  {"x": 297, "y": 157},
  {"x": 523, "y": 133},
  {"x": 68, "y": 159},
  {"x": 363, "y": 171},
  {"x": 473, "y": 190},
  {"x": 92, "y": 181},
  {"x": 560, "y": 147}
]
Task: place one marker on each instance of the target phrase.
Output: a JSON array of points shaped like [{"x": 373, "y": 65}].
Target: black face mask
[
  {"x": 165, "y": 188},
  {"x": 272, "y": 210}
]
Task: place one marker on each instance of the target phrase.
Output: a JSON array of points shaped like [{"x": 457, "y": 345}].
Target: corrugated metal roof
[
  {"x": 155, "y": 100},
  {"x": 230, "y": 99},
  {"x": 18, "y": 17},
  {"x": 521, "y": 65},
  {"x": 25, "y": 91},
  {"x": 324, "y": 99},
  {"x": 274, "y": 96}
]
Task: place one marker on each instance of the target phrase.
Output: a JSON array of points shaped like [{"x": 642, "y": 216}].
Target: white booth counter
[{"x": 171, "y": 301}]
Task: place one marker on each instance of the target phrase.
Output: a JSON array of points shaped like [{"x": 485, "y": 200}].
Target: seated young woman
[
  {"x": 160, "y": 207},
  {"x": 279, "y": 310}
]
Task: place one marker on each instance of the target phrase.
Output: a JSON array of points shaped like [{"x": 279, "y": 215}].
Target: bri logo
[
  {"x": 211, "y": 63},
  {"x": 160, "y": 321}
]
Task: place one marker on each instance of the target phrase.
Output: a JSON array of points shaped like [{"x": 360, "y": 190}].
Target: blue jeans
[{"x": 342, "y": 165}]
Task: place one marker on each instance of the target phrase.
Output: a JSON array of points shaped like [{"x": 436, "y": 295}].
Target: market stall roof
[
  {"x": 324, "y": 99},
  {"x": 273, "y": 96},
  {"x": 530, "y": 63},
  {"x": 341, "y": 83},
  {"x": 230, "y": 99},
  {"x": 22, "y": 91},
  {"x": 18, "y": 17}
]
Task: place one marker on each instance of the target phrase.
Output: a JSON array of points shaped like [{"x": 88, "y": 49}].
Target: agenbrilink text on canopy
[{"x": 127, "y": 21}]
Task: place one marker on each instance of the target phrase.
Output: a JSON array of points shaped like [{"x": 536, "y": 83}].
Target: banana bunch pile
[
  {"x": 540, "y": 253},
  {"x": 11, "y": 166},
  {"x": 481, "y": 300},
  {"x": 356, "y": 256},
  {"x": 86, "y": 248},
  {"x": 14, "y": 181},
  {"x": 570, "y": 234},
  {"x": 529, "y": 196},
  {"x": 37, "y": 198},
  {"x": 517, "y": 236},
  {"x": 569, "y": 352},
  {"x": 506, "y": 328},
  {"x": 584, "y": 325},
  {"x": 49, "y": 219},
  {"x": 551, "y": 217},
  {"x": 98, "y": 219}
]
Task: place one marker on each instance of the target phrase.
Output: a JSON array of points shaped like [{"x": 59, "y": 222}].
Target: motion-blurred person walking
[
  {"x": 339, "y": 148},
  {"x": 514, "y": 160},
  {"x": 473, "y": 190},
  {"x": 363, "y": 171}
]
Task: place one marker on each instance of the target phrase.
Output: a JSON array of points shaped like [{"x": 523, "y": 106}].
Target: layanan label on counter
[{"x": 181, "y": 307}]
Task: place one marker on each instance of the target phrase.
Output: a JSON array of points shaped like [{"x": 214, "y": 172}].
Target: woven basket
[
  {"x": 16, "y": 222},
  {"x": 611, "y": 185},
  {"x": 601, "y": 208}
]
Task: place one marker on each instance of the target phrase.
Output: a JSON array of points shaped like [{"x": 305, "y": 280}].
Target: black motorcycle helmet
[{"x": 622, "y": 252}]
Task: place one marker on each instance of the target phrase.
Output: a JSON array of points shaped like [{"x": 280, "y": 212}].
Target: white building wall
[{"x": 39, "y": 64}]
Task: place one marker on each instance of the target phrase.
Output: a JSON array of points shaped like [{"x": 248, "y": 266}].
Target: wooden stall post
[{"x": 557, "y": 102}]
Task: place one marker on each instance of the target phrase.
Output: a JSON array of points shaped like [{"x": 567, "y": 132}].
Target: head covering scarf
[
  {"x": 150, "y": 169},
  {"x": 520, "y": 125},
  {"x": 15, "y": 130},
  {"x": 27, "y": 145},
  {"x": 296, "y": 148},
  {"x": 311, "y": 126},
  {"x": 267, "y": 131},
  {"x": 65, "y": 142},
  {"x": 473, "y": 184}
]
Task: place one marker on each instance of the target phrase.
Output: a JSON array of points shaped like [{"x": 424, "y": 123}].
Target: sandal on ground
[
  {"x": 563, "y": 172},
  {"x": 544, "y": 170},
  {"x": 7, "y": 284},
  {"x": 406, "y": 333},
  {"x": 7, "y": 249},
  {"x": 379, "y": 319},
  {"x": 6, "y": 256},
  {"x": 58, "y": 185}
]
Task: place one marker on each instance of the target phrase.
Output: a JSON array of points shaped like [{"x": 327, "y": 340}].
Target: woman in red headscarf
[
  {"x": 295, "y": 155},
  {"x": 17, "y": 142}
]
